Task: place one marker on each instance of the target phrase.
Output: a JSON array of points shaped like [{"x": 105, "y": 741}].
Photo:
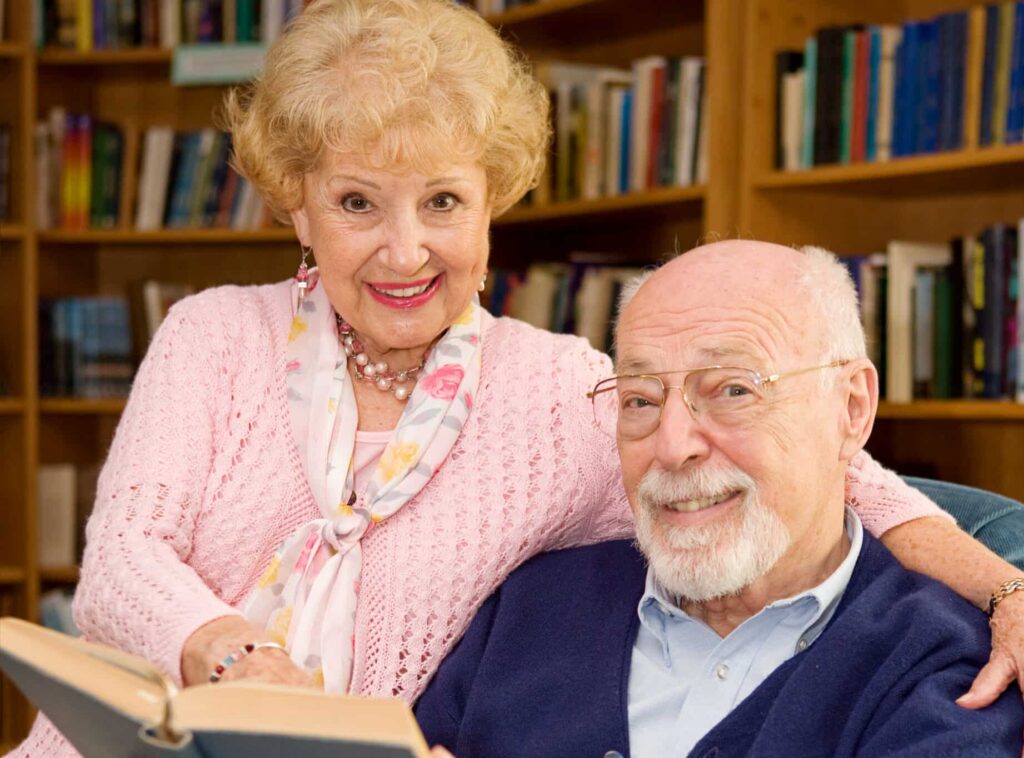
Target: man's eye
[
  {"x": 355, "y": 203},
  {"x": 736, "y": 390},
  {"x": 444, "y": 201},
  {"x": 636, "y": 403}
]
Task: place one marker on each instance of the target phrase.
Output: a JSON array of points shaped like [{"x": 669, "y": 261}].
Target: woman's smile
[{"x": 405, "y": 294}]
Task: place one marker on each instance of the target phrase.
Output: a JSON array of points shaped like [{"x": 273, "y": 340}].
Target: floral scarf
[{"x": 308, "y": 595}]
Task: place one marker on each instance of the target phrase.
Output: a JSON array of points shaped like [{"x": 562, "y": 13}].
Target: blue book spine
[
  {"x": 959, "y": 79},
  {"x": 874, "y": 58},
  {"x": 929, "y": 106},
  {"x": 73, "y": 314},
  {"x": 900, "y": 114},
  {"x": 99, "y": 24},
  {"x": 810, "y": 89},
  {"x": 627, "y": 110},
  {"x": 947, "y": 71},
  {"x": 1015, "y": 101},
  {"x": 988, "y": 77},
  {"x": 184, "y": 178}
]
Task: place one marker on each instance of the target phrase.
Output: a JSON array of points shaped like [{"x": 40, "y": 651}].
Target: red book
[
  {"x": 657, "y": 113},
  {"x": 861, "y": 71}
]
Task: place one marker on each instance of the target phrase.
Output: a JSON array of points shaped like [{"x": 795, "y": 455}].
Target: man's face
[{"x": 717, "y": 505}]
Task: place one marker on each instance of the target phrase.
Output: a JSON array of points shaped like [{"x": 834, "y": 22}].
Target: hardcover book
[{"x": 107, "y": 702}]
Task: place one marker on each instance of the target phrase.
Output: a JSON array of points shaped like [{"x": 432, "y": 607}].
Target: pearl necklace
[{"x": 379, "y": 374}]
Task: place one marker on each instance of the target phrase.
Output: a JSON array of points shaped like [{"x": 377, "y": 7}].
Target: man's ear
[{"x": 860, "y": 395}]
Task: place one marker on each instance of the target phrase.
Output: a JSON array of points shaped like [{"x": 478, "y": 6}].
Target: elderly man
[{"x": 764, "y": 621}]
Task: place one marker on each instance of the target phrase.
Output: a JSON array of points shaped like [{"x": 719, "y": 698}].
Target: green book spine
[
  {"x": 849, "y": 72},
  {"x": 1001, "y": 99},
  {"x": 100, "y": 158},
  {"x": 810, "y": 87}
]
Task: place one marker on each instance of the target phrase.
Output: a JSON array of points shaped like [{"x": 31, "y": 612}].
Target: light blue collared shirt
[{"x": 684, "y": 678}]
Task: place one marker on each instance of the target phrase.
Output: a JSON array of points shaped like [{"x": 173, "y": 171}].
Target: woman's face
[{"x": 400, "y": 254}]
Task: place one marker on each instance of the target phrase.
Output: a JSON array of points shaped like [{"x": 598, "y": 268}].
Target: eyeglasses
[{"x": 723, "y": 398}]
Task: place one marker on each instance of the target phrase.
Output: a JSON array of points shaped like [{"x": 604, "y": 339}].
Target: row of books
[
  {"x": 86, "y": 25},
  {"x": 89, "y": 174},
  {"x": 860, "y": 94},
  {"x": 946, "y": 320},
  {"x": 85, "y": 347},
  {"x": 619, "y": 130},
  {"x": 578, "y": 297},
  {"x": 89, "y": 346}
]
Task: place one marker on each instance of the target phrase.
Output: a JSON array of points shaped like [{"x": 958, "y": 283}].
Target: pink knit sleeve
[
  {"x": 882, "y": 499},
  {"x": 44, "y": 741},
  {"x": 610, "y": 515},
  {"x": 137, "y": 590}
]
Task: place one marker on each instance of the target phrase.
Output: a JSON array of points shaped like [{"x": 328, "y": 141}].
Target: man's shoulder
[
  {"x": 886, "y": 599},
  {"x": 577, "y": 575}
]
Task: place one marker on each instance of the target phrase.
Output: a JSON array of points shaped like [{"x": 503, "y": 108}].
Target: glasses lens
[
  {"x": 604, "y": 401},
  {"x": 726, "y": 396},
  {"x": 639, "y": 405}
]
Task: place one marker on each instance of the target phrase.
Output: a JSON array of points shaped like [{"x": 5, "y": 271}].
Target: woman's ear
[
  {"x": 860, "y": 395},
  {"x": 300, "y": 220}
]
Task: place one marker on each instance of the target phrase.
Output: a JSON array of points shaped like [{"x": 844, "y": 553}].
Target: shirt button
[
  {"x": 801, "y": 645},
  {"x": 722, "y": 671}
]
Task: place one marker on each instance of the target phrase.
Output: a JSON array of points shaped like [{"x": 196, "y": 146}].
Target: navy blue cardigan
[{"x": 543, "y": 671}]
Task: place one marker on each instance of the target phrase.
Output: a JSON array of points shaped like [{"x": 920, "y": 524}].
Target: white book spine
[
  {"x": 792, "y": 119},
  {"x": 640, "y": 125},
  {"x": 271, "y": 20},
  {"x": 891, "y": 36},
  {"x": 56, "y": 513},
  {"x": 613, "y": 141},
  {"x": 170, "y": 24},
  {"x": 687, "y": 130}
]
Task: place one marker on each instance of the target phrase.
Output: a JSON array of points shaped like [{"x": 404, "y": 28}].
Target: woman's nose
[{"x": 404, "y": 249}]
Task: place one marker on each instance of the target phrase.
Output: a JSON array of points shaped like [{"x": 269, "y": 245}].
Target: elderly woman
[{"x": 348, "y": 463}]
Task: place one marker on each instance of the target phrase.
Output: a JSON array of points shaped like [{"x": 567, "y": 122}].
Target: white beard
[{"x": 704, "y": 562}]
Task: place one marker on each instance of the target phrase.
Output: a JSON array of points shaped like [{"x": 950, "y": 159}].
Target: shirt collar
[{"x": 657, "y": 606}]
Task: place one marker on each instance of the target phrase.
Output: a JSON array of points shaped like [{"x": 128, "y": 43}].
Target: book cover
[
  {"x": 1001, "y": 85},
  {"x": 929, "y": 112},
  {"x": 847, "y": 94},
  {"x": 810, "y": 90},
  {"x": 786, "y": 62},
  {"x": 892, "y": 37},
  {"x": 107, "y": 703},
  {"x": 904, "y": 258},
  {"x": 829, "y": 95},
  {"x": 56, "y": 514},
  {"x": 792, "y": 119},
  {"x": 686, "y": 136},
  {"x": 923, "y": 313}
]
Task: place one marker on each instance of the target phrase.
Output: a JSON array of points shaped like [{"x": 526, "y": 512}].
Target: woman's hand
[
  {"x": 211, "y": 643},
  {"x": 1007, "y": 660}
]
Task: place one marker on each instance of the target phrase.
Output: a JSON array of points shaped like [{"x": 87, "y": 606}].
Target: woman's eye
[
  {"x": 445, "y": 201},
  {"x": 355, "y": 203}
]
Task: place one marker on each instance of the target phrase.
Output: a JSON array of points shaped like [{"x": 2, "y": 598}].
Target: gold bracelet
[{"x": 1003, "y": 590}]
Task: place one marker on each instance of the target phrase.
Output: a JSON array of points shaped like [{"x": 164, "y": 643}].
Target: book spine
[
  {"x": 930, "y": 110},
  {"x": 810, "y": 89},
  {"x": 858, "y": 144},
  {"x": 871, "y": 117},
  {"x": 847, "y": 103},
  {"x": 988, "y": 77},
  {"x": 1001, "y": 87},
  {"x": 1015, "y": 96}
]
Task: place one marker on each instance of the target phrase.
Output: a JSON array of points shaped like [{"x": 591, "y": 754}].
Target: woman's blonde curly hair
[{"x": 403, "y": 84}]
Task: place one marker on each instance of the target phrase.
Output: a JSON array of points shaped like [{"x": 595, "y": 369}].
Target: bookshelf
[
  {"x": 845, "y": 208},
  {"x": 859, "y": 207}
]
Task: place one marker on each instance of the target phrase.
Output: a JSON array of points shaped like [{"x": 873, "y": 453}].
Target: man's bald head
[{"x": 805, "y": 297}]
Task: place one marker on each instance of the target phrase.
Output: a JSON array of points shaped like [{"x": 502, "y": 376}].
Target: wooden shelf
[
  {"x": 74, "y": 406},
  {"x": 978, "y": 410},
  {"x": 165, "y": 236},
  {"x": 921, "y": 173},
  {"x": 11, "y": 231},
  {"x": 12, "y": 50},
  {"x": 11, "y": 405},
  {"x": 59, "y": 574},
  {"x": 11, "y": 575},
  {"x": 128, "y": 56},
  {"x": 653, "y": 200}
]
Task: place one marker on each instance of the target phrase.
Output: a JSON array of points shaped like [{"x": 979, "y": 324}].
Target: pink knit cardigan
[{"x": 204, "y": 481}]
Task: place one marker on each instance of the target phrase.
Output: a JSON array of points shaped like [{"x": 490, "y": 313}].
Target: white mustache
[{"x": 659, "y": 488}]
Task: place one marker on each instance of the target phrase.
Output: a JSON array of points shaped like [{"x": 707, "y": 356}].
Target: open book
[{"x": 110, "y": 703}]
